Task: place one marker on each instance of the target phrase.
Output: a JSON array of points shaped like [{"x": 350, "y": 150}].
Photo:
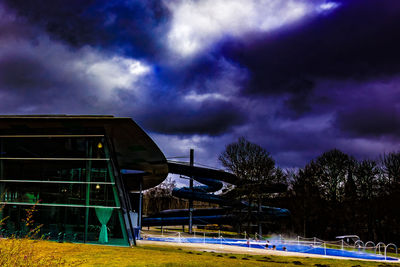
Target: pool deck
[{"x": 252, "y": 251}]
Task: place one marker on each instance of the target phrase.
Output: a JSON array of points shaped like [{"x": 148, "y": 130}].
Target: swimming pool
[{"x": 290, "y": 246}]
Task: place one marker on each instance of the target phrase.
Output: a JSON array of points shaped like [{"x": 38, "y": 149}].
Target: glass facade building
[{"x": 70, "y": 169}]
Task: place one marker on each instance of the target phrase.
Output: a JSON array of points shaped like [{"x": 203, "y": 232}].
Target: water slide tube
[{"x": 212, "y": 183}]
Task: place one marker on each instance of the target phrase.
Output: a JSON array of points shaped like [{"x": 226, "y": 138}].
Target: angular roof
[{"x": 134, "y": 149}]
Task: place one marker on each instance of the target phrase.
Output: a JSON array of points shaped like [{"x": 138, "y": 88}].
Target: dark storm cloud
[
  {"x": 212, "y": 117},
  {"x": 27, "y": 76},
  {"x": 36, "y": 75},
  {"x": 372, "y": 121},
  {"x": 20, "y": 72},
  {"x": 369, "y": 109},
  {"x": 41, "y": 78},
  {"x": 359, "y": 40},
  {"x": 196, "y": 98},
  {"x": 131, "y": 27},
  {"x": 29, "y": 84},
  {"x": 300, "y": 89}
]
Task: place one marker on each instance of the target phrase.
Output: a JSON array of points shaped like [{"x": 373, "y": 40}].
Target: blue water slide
[
  {"x": 202, "y": 192},
  {"x": 211, "y": 181}
]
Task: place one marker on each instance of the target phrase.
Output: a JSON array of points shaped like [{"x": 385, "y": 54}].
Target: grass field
[{"x": 44, "y": 253}]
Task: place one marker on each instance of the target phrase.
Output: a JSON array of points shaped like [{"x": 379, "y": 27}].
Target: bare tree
[
  {"x": 391, "y": 167},
  {"x": 254, "y": 167},
  {"x": 320, "y": 190},
  {"x": 332, "y": 172},
  {"x": 367, "y": 179},
  {"x": 159, "y": 198}
]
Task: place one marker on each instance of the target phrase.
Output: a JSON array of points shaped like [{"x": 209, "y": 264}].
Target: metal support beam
[
  {"x": 191, "y": 188},
  {"x": 140, "y": 204}
]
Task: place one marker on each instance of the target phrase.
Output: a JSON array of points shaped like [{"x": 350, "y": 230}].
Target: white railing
[
  {"x": 378, "y": 246},
  {"x": 369, "y": 242},
  {"x": 357, "y": 244},
  {"x": 390, "y": 244}
]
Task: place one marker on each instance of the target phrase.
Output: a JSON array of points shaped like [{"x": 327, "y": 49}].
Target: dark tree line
[{"x": 334, "y": 194}]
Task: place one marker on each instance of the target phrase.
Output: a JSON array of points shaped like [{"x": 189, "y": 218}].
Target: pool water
[{"x": 291, "y": 247}]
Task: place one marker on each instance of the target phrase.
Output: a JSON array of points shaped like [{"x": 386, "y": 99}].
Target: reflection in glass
[{"x": 70, "y": 181}]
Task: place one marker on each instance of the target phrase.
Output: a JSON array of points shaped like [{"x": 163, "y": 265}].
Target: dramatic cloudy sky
[{"x": 298, "y": 77}]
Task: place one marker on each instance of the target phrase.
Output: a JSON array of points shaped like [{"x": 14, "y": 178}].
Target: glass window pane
[
  {"x": 44, "y": 193},
  {"x": 63, "y": 224},
  {"x": 55, "y": 170},
  {"x": 52, "y": 147},
  {"x": 65, "y": 185},
  {"x": 102, "y": 195}
]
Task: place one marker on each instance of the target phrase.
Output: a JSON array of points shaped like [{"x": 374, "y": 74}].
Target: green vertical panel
[
  {"x": 88, "y": 173},
  {"x": 1, "y": 161},
  {"x": 111, "y": 175},
  {"x": 116, "y": 197},
  {"x": 2, "y": 185}
]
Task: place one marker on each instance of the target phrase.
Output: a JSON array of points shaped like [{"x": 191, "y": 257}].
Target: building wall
[{"x": 68, "y": 180}]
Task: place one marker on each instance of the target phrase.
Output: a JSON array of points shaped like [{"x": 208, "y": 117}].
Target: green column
[
  {"x": 2, "y": 185},
  {"x": 89, "y": 152},
  {"x": 115, "y": 193}
]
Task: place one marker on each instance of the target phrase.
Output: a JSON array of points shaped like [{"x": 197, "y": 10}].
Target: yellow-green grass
[{"x": 45, "y": 253}]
